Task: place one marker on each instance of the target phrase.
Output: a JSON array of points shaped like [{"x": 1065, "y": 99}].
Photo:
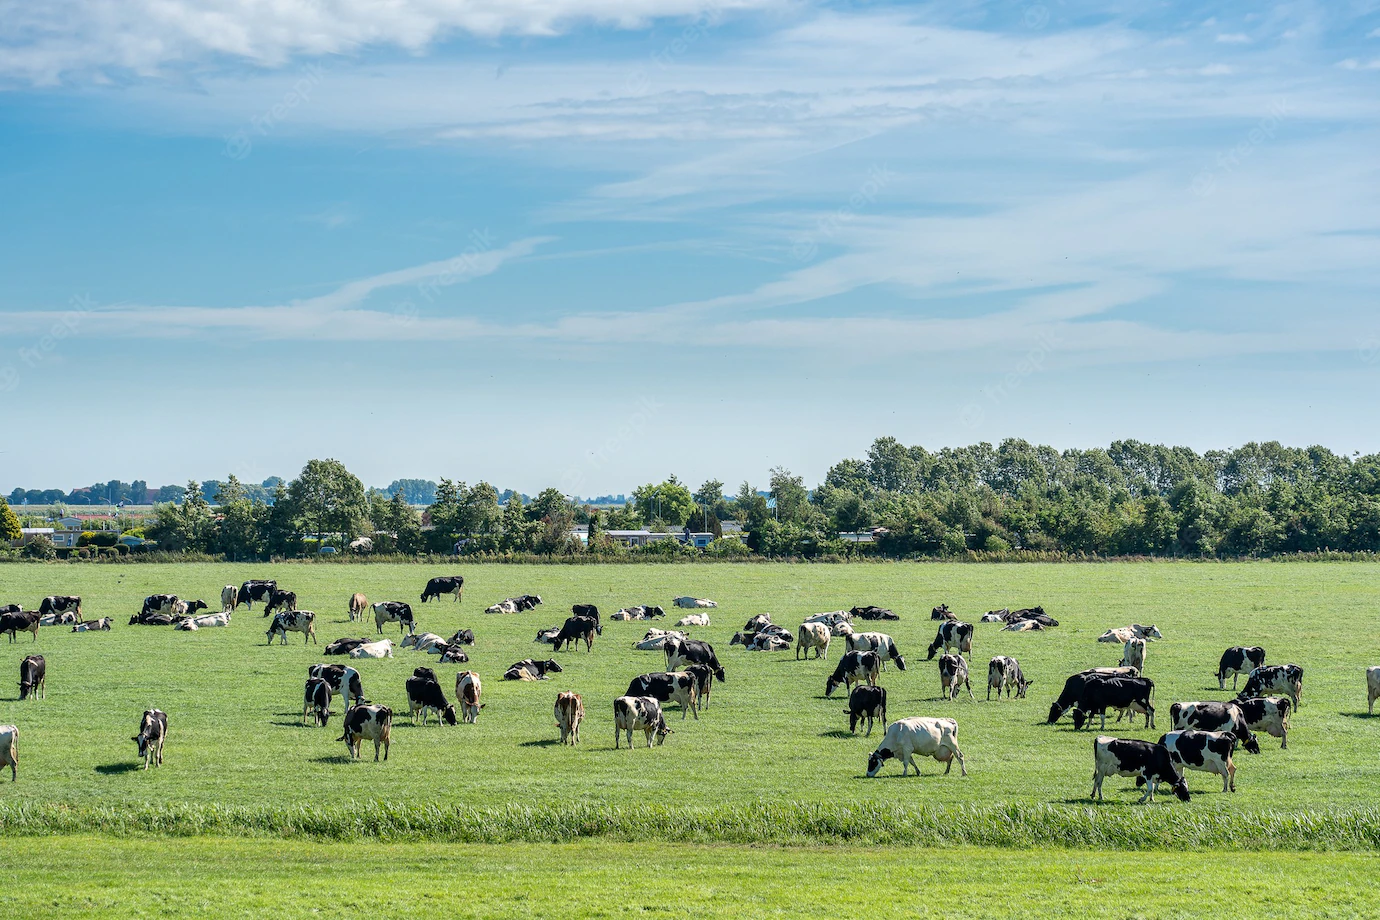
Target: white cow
[
  {"x": 468, "y": 690},
  {"x": 1134, "y": 631},
  {"x": 905, "y": 738},
  {"x": 508, "y": 606},
  {"x": 1372, "y": 687},
  {"x": 832, "y": 619},
  {"x": 380, "y": 649},
  {"x": 813, "y": 636},
  {"x": 9, "y": 750},
  {"x": 656, "y": 639},
  {"x": 694, "y": 619},
  {"x": 205, "y": 621},
  {"x": 692, "y": 603},
  {"x": 229, "y": 598},
  {"x": 1133, "y": 654},
  {"x": 424, "y": 642}
]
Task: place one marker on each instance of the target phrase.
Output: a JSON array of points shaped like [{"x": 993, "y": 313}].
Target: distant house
[
  {"x": 62, "y": 538},
  {"x": 644, "y": 537},
  {"x": 730, "y": 527},
  {"x": 863, "y": 536}
]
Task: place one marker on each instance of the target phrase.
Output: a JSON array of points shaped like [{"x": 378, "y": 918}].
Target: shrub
[
  {"x": 41, "y": 548},
  {"x": 995, "y": 544}
]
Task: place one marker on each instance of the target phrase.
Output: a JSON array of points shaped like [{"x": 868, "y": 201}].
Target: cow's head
[
  {"x": 1080, "y": 718},
  {"x": 876, "y": 759},
  {"x": 934, "y": 647},
  {"x": 448, "y": 714},
  {"x": 830, "y": 685},
  {"x": 655, "y": 612},
  {"x": 1247, "y": 739},
  {"x": 1020, "y": 687},
  {"x": 900, "y": 662},
  {"x": 553, "y": 666}
]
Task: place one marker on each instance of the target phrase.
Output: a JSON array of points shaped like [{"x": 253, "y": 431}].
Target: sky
[{"x": 592, "y": 243}]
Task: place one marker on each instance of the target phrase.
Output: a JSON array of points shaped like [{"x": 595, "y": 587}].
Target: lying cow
[
  {"x": 918, "y": 736},
  {"x": 383, "y": 648},
  {"x": 452, "y": 654},
  {"x": 59, "y": 619},
  {"x": 422, "y": 642},
  {"x": 952, "y": 634},
  {"x": 569, "y": 711},
  {"x": 691, "y": 603},
  {"x": 1151, "y": 763},
  {"x": 1023, "y": 626},
  {"x": 942, "y": 612},
  {"x": 368, "y": 722},
  {"x": 547, "y": 636},
  {"x": 528, "y": 669},
  {"x": 1134, "y": 631},
  {"x": 763, "y": 641},
  {"x": 101, "y": 625},
  {"x": 394, "y": 612},
  {"x": 1213, "y": 716},
  {"x": 33, "y": 676},
  {"x": 872, "y": 612},
  {"x": 953, "y": 677},
  {"x": 206, "y": 621},
  {"x": 866, "y": 702},
  {"x": 831, "y": 619},
  {"x": 639, "y": 612},
  {"x": 813, "y": 637},
  {"x": 1004, "y": 673},
  {"x": 453, "y": 585},
  {"x": 694, "y": 619},
  {"x": 758, "y": 623},
  {"x": 854, "y": 668},
  {"x": 668, "y": 687},
  {"x": 1238, "y": 660},
  {"x": 302, "y": 621},
  {"x": 344, "y": 646},
  {"x": 462, "y": 637},
  {"x": 153, "y": 731},
  {"x": 1206, "y": 752},
  {"x": 656, "y": 639},
  {"x": 1275, "y": 678},
  {"x": 639, "y": 712}
]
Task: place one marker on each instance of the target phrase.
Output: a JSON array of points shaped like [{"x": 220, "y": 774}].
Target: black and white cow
[
  {"x": 765, "y": 641},
  {"x": 342, "y": 679},
  {"x": 942, "y": 612},
  {"x": 1268, "y": 714},
  {"x": 302, "y": 621},
  {"x": 670, "y": 687},
  {"x": 280, "y": 600},
  {"x": 585, "y": 610},
  {"x": 1206, "y": 752},
  {"x": 854, "y": 668},
  {"x": 681, "y": 652},
  {"x": 153, "y": 731},
  {"x": 925, "y": 737},
  {"x": 33, "y": 673},
  {"x": 873, "y": 612},
  {"x": 453, "y": 585},
  {"x": 952, "y": 634},
  {"x": 9, "y": 750},
  {"x": 368, "y": 722},
  {"x": 639, "y": 712},
  {"x": 577, "y": 630},
  {"x": 316, "y": 699},
  {"x": 1126, "y": 757},
  {"x": 161, "y": 603},
  {"x": 757, "y": 623},
  {"x": 1125, "y": 693},
  {"x": 255, "y": 590},
  {"x": 547, "y": 636},
  {"x": 865, "y": 702},
  {"x": 1004, "y": 673},
  {"x": 344, "y": 646},
  {"x": 394, "y": 612},
  {"x": 424, "y": 694},
  {"x": 528, "y": 669},
  {"x": 1275, "y": 678},
  {"x": 953, "y": 677},
  {"x": 639, "y": 612},
  {"x": 152, "y": 619},
  {"x": 526, "y": 601},
  {"x": 15, "y": 623},
  {"x": 1238, "y": 660},
  {"x": 60, "y": 603},
  {"x": 704, "y": 682},
  {"x": 101, "y": 625},
  {"x": 877, "y": 642},
  {"x": 1213, "y": 716},
  {"x": 461, "y": 637}
]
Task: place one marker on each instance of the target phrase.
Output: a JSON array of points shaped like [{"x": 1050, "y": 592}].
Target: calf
[
  {"x": 952, "y": 634},
  {"x": 877, "y": 642},
  {"x": 1125, "y": 693},
  {"x": 342, "y": 679},
  {"x": 854, "y": 668},
  {"x": 1150, "y": 762},
  {"x": 1372, "y": 689},
  {"x": 576, "y": 630},
  {"x": 1133, "y": 654},
  {"x": 103, "y": 624},
  {"x": 15, "y": 623},
  {"x": 814, "y": 636},
  {"x": 229, "y": 598},
  {"x": 528, "y": 669},
  {"x": 344, "y": 646},
  {"x": 868, "y": 703},
  {"x": 316, "y": 699},
  {"x": 453, "y": 585},
  {"x": 1268, "y": 714},
  {"x": 1238, "y": 660},
  {"x": 906, "y": 738},
  {"x": 1206, "y": 752},
  {"x": 1215, "y": 717},
  {"x": 639, "y": 712},
  {"x": 953, "y": 676},
  {"x": 1275, "y": 678},
  {"x": 452, "y": 654},
  {"x": 691, "y": 603},
  {"x": 153, "y": 731},
  {"x": 280, "y": 600},
  {"x": 9, "y": 750},
  {"x": 383, "y": 648},
  {"x": 255, "y": 590},
  {"x": 670, "y": 687},
  {"x": 60, "y": 603},
  {"x": 570, "y": 709},
  {"x": 694, "y": 619},
  {"x": 1004, "y": 673},
  {"x": 358, "y": 604},
  {"x": 394, "y": 612},
  {"x": 468, "y": 690},
  {"x": 33, "y": 675},
  {"x": 368, "y": 722},
  {"x": 424, "y": 694},
  {"x": 302, "y": 621},
  {"x": 692, "y": 651}
]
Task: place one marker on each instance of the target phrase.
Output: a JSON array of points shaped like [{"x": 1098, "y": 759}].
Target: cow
[
  {"x": 831, "y": 619},
  {"x": 11, "y": 608},
  {"x": 462, "y": 637},
  {"x": 451, "y": 654},
  {"x": 528, "y": 669},
  {"x": 1275, "y": 678},
  {"x": 925, "y": 737},
  {"x": 103, "y": 625},
  {"x": 692, "y": 603},
  {"x": 762, "y": 642},
  {"x": 394, "y": 612},
  {"x": 873, "y": 612},
  {"x": 670, "y": 687},
  {"x": 1004, "y": 673},
  {"x": 694, "y": 619},
  {"x": 692, "y": 651},
  {"x": 866, "y": 702},
  {"x": 1238, "y": 660},
  {"x": 656, "y": 639},
  {"x": 1134, "y": 631},
  {"x": 342, "y": 679},
  {"x": 1030, "y": 614},
  {"x": 577, "y": 630},
  {"x": 1149, "y": 762},
  {"x": 59, "y": 619},
  {"x": 255, "y": 590},
  {"x": 368, "y": 722},
  {"x": 704, "y": 682},
  {"x": 526, "y": 601},
  {"x": 854, "y": 668},
  {"x": 161, "y": 603},
  {"x": 548, "y": 635},
  {"x": 454, "y": 585},
  {"x": 468, "y": 690},
  {"x": 877, "y": 642},
  {"x": 1214, "y": 717},
  {"x": 1125, "y": 693},
  {"x": 9, "y": 750},
  {"x": 814, "y": 636},
  {"x": 344, "y": 646},
  {"x": 424, "y": 642},
  {"x": 229, "y": 598},
  {"x": 758, "y": 623},
  {"x": 634, "y": 712},
  {"x": 507, "y": 606},
  {"x": 639, "y": 612},
  {"x": 316, "y": 699},
  {"x": 15, "y": 623},
  {"x": 1372, "y": 689},
  {"x": 992, "y": 616},
  {"x": 585, "y": 610},
  {"x": 952, "y": 634},
  {"x": 152, "y": 619},
  {"x": 207, "y": 621},
  {"x": 424, "y": 694},
  {"x": 1268, "y": 714},
  {"x": 280, "y": 600},
  {"x": 302, "y": 621},
  {"x": 1074, "y": 687},
  {"x": 60, "y": 603},
  {"x": 383, "y": 648},
  {"x": 153, "y": 731},
  {"x": 1206, "y": 752},
  {"x": 1023, "y": 626},
  {"x": 357, "y": 605},
  {"x": 1133, "y": 654},
  {"x": 569, "y": 710},
  {"x": 33, "y": 676},
  {"x": 953, "y": 676},
  {"x": 942, "y": 612}
]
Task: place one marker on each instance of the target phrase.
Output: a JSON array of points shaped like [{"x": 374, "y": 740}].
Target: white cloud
[{"x": 1234, "y": 38}]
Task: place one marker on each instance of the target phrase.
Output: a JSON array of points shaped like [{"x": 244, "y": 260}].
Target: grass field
[{"x": 769, "y": 736}]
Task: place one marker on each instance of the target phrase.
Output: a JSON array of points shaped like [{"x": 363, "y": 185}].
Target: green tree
[
  {"x": 279, "y": 534},
  {"x": 789, "y": 493},
  {"x": 241, "y": 521},
  {"x": 327, "y": 498},
  {"x": 668, "y": 502},
  {"x": 9, "y": 523}
]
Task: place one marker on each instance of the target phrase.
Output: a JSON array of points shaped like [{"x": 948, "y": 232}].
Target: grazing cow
[
  {"x": 1206, "y": 752},
  {"x": 103, "y": 625},
  {"x": 255, "y": 590},
  {"x": 1023, "y": 626},
  {"x": 1149, "y": 762},
  {"x": 953, "y": 676},
  {"x": 394, "y": 612},
  {"x": 1275, "y": 678},
  {"x": 33, "y": 675},
  {"x": 59, "y": 619},
  {"x": 302, "y": 621},
  {"x": 656, "y": 639},
  {"x": 694, "y": 619},
  {"x": 161, "y": 603},
  {"x": 925, "y": 737},
  {"x": 424, "y": 694},
  {"x": 854, "y": 668},
  {"x": 316, "y": 699},
  {"x": 383, "y": 648},
  {"x": 15, "y": 623},
  {"x": 547, "y": 635},
  {"x": 229, "y": 598},
  {"x": 704, "y": 682},
  {"x": 1215, "y": 717},
  {"x": 570, "y": 709},
  {"x": 757, "y": 623},
  {"x": 877, "y": 642},
  {"x": 692, "y": 651},
  {"x": 528, "y": 669},
  {"x": 9, "y": 750},
  {"x": 1268, "y": 714},
  {"x": 1075, "y": 684},
  {"x": 634, "y": 712},
  {"x": 60, "y": 603},
  {"x": 873, "y": 612},
  {"x": 280, "y": 600},
  {"x": 670, "y": 687},
  {"x": 577, "y": 630},
  {"x": 868, "y": 703},
  {"x": 1004, "y": 673},
  {"x": 942, "y": 612},
  {"x": 153, "y": 731},
  {"x": 814, "y": 636},
  {"x": 952, "y": 634},
  {"x": 344, "y": 646},
  {"x": 831, "y": 619},
  {"x": 468, "y": 690},
  {"x": 639, "y": 612},
  {"x": 454, "y": 585},
  {"x": 1124, "y": 693},
  {"x": 1238, "y": 660},
  {"x": 423, "y": 642},
  {"x": 1372, "y": 689},
  {"x": 1133, "y": 654},
  {"x": 462, "y": 637},
  {"x": 342, "y": 679},
  {"x": 358, "y": 604},
  {"x": 1134, "y": 631},
  {"x": 368, "y": 722},
  {"x": 692, "y": 603}
]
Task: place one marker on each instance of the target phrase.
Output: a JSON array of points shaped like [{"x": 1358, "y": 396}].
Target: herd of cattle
[{"x": 1204, "y": 735}]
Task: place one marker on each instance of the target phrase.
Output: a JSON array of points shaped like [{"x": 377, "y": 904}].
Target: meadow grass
[{"x": 770, "y": 759}]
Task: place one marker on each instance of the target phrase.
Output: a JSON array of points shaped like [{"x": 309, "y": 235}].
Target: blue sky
[{"x": 592, "y": 243}]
